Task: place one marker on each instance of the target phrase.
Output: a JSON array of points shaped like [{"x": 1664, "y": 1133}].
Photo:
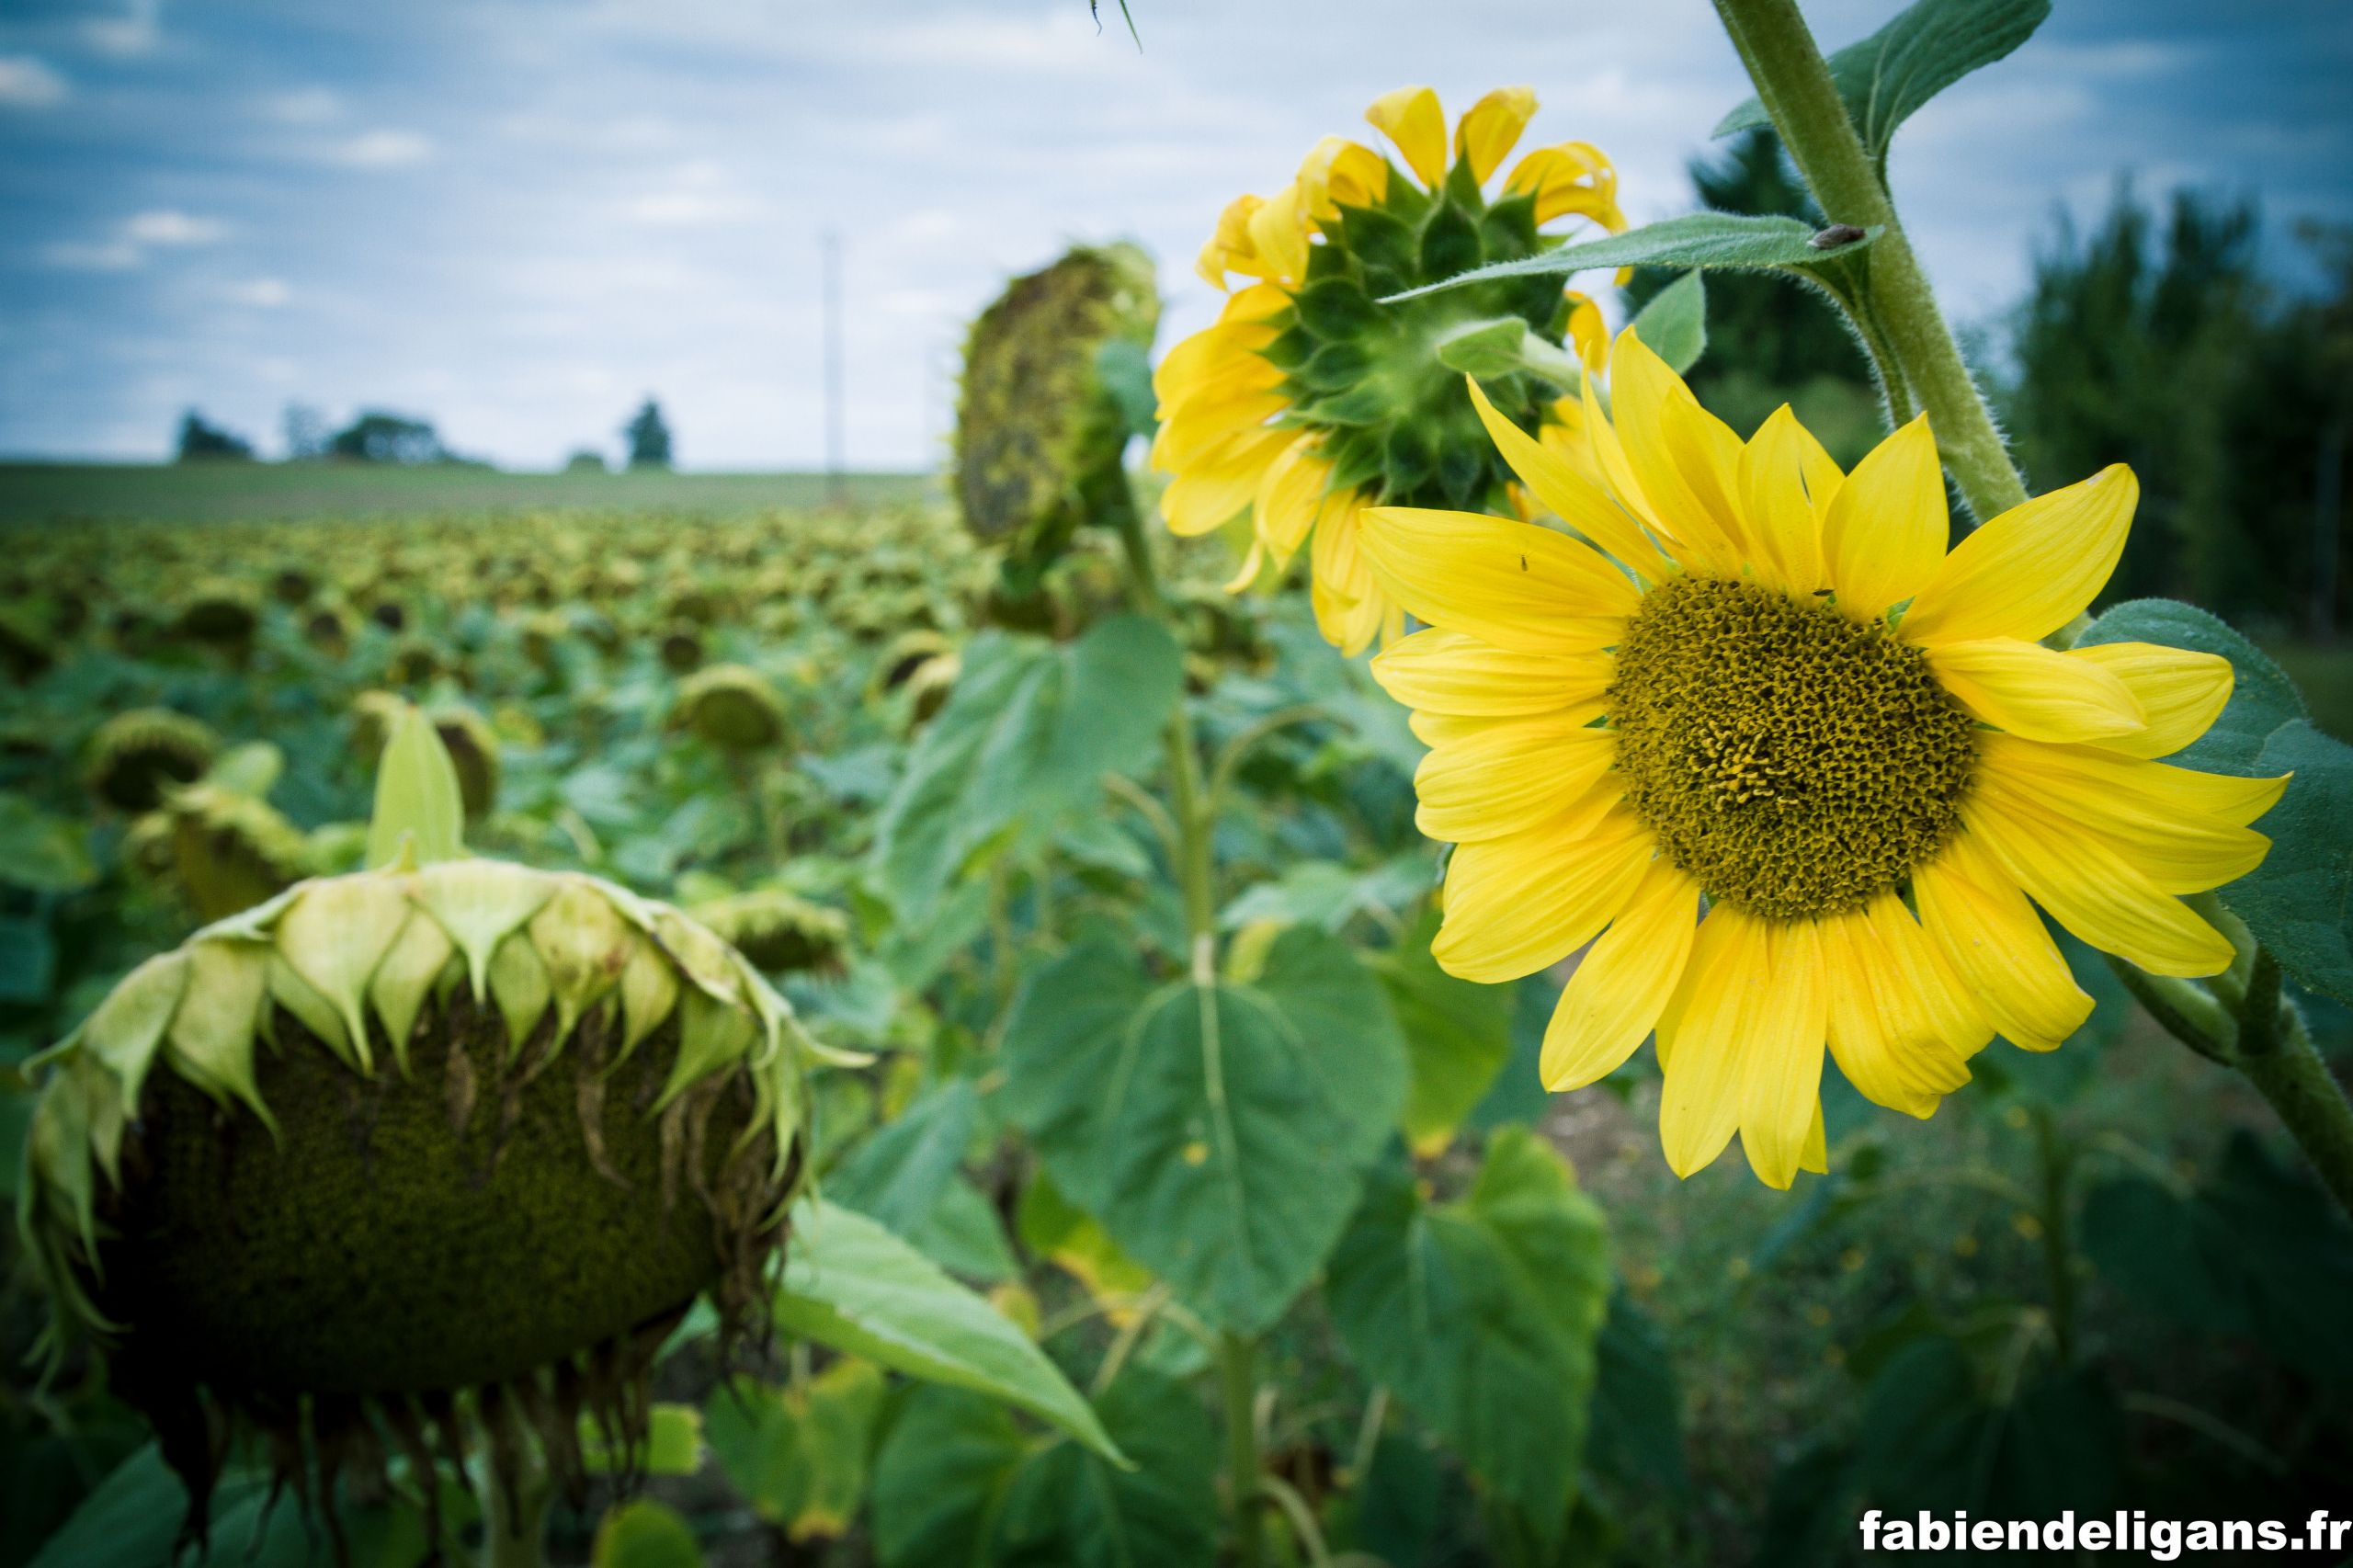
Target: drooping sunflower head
[
  {"x": 134, "y": 756},
  {"x": 1737, "y": 678},
  {"x": 409, "y": 1159},
  {"x": 1311, "y": 398},
  {"x": 1039, "y": 425},
  {"x": 732, "y": 707}
]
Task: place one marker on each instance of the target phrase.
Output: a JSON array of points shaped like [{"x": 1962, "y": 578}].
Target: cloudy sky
[{"x": 519, "y": 216}]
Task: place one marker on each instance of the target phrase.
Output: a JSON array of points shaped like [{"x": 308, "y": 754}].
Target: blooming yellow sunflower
[
  {"x": 1762, "y": 688},
  {"x": 1309, "y": 400}
]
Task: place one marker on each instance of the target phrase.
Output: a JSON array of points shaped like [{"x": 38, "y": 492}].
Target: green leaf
[
  {"x": 642, "y": 1533},
  {"x": 897, "y": 1176},
  {"x": 1457, "y": 1036},
  {"x": 416, "y": 796},
  {"x": 851, "y": 1284},
  {"x": 1637, "y": 1425},
  {"x": 2299, "y": 902},
  {"x": 1125, "y": 369},
  {"x": 800, "y": 1456},
  {"x": 1739, "y": 241},
  {"x": 45, "y": 853},
  {"x": 2260, "y": 1253},
  {"x": 2262, "y": 699},
  {"x": 959, "y": 1483},
  {"x": 1673, "y": 325},
  {"x": 673, "y": 1444},
  {"x": 1483, "y": 1313},
  {"x": 132, "y": 1519},
  {"x": 1218, "y": 1132},
  {"x": 1484, "y": 349},
  {"x": 1885, "y": 78},
  {"x": 1930, "y": 1441},
  {"x": 1028, "y": 734}
]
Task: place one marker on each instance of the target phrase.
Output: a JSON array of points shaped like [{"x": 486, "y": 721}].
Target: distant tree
[
  {"x": 648, "y": 437},
  {"x": 306, "y": 432},
  {"x": 2162, "y": 345},
  {"x": 380, "y": 437},
  {"x": 1770, "y": 339},
  {"x": 204, "y": 442},
  {"x": 587, "y": 460}
]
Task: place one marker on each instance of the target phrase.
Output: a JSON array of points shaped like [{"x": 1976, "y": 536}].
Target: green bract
[
  {"x": 1039, "y": 432},
  {"x": 447, "y": 1148},
  {"x": 1373, "y": 373}
]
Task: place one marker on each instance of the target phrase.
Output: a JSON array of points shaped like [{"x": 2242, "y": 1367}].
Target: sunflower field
[{"x": 1185, "y": 993}]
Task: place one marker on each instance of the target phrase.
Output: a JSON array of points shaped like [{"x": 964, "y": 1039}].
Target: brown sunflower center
[{"x": 1793, "y": 761}]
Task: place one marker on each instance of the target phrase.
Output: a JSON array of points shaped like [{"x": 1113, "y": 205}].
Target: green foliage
[
  {"x": 1696, "y": 240},
  {"x": 850, "y": 1284},
  {"x": 959, "y": 1482},
  {"x": 1030, "y": 731},
  {"x": 1885, "y": 78},
  {"x": 1217, "y": 1131},
  {"x": 1481, "y": 1315},
  {"x": 1674, "y": 322}
]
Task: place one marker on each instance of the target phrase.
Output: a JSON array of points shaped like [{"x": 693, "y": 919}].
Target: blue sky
[{"x": 519, "y": 216}]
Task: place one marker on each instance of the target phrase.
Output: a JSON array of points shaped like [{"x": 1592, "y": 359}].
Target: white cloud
[
  {"x": 262, "y": 293},
  {"x": 27, "y": 82},
  {"x": 382, "y": 149},
  {"x": 165, "y": 226},
  {"x": 304, "y": 106},
  {"x": 134, "y": 33},
  {"x": 112, "y": 255},
  {"x": 696, "y": 193}
]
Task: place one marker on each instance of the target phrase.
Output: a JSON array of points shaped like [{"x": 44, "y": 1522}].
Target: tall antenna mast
[{"x": 836, "y": 484}]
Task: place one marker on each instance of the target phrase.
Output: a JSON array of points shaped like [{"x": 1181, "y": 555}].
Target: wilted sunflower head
[
  {"x": 1040, "y": 429},
  {"x": 133, "y": 757},
  {"x": 1311, "y": 398},
  {"x": 731, "y": 707},
  {"x": 221, "y": 848},
  {"x": 414, "y": 1157},
  {"x": 779, "y": 931}
]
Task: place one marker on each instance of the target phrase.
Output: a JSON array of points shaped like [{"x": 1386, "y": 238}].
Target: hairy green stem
[
  {"x": 1236, "y": 1359},
  {"x": 2058, "y": 1162},
  {"x": 2290, "y": 1074},
  {"x": 1794, "y": 82}
]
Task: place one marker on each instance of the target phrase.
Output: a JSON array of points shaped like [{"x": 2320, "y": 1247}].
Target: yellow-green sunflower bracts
[
  {"x": 1310, "y": 399},
  {"x": 1753, "y": 680},
  {"x": 411, "y": 1148}
]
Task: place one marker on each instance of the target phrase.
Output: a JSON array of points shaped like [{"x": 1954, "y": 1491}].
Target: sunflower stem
[
  {"x": 1793, "y": 83},
  {"x": 1236, "y": 1359},
  {"x": 2276, "y": 1053}
]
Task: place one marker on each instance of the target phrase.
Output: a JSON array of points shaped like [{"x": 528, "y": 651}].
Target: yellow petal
[
  {"x": 2035, "y": 691},
  {"x": 2094, "y": 893},
  {"x": 1701, "y": 1035},
  {"x": 1574, "y": 177},
  {"x": 1247, "y": 573},
  {"x": 1884, "y": 1040},
  {"x": 1515, "y": 905},
  {"x": 1278, "y": 233},
  {"x": 1589, "y": 332},
  {"x": 2093, "y": 773},
  {"x": 1983, "y": 926},
  {"x": 1202, "y": 499},
  {"x": 1511, "y": 583},
  {"x": 1781, "y": 519},
  {"x": 1448, "y": 671},
  {"x": 2031, "y": 570},
  {"x": 1941, "y": 1006},
  {"x": 1508, "y": 777},
  {"x": 1570, "y": 497},
  {"x": 2177, "y": 852},
  {"x": 2180, "y": 693},
  {"x": 1488, "y": 132},
  {"x": 1411, "y": 117},
  {"x": 1780, "y": 1066},
  {"x": 1685, "y": 459},
  {"x": 1347, "y": 601},
  {"x": 1339, "y": 172},
  {"x": 1621, "y": 986},
  {"x": 1886, "y": 528},
  {"x": 1288, "y": 498}
]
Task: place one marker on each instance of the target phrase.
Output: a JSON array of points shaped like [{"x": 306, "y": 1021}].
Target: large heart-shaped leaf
[
  {"x": 1031, "y": 731},
  {"x": 1217, "y": 1131},
  {"x": 1483, "y": 1314}
]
